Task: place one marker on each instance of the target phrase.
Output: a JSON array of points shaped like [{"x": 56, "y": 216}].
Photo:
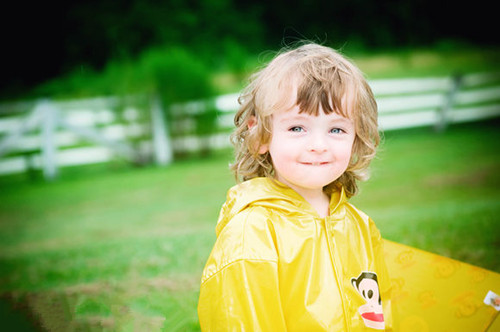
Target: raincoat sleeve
[
  {"x": 243, "y": 296},
  {"x": 240, "y": 287}
]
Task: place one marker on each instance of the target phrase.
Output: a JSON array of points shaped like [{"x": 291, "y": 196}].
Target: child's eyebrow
[
  {"x": 294, "y": 118},
  {"x": 300, "y": 117},
  {"x": 342, "y": 120}
]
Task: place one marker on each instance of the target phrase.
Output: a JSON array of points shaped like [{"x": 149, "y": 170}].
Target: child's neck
[
  {"x": 319, "y": 200},
  {"x": 322, "y": 205}
]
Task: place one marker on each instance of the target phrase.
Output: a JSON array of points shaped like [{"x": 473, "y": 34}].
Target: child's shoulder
[
  {"x": 364, "y": 221},
  {"x": 248, "y": 235},
  {"x": 251, "y": 228},
  {"x": 358, "y": 212}
]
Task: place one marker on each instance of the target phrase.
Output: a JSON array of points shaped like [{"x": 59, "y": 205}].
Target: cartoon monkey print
[{"x": 367, "y": 286}]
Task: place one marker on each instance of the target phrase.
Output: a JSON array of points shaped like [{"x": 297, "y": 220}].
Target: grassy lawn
[{"x": 111, "y": 248}]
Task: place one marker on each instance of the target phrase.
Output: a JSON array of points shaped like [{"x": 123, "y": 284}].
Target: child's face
[{"x": 309, "y": 152}]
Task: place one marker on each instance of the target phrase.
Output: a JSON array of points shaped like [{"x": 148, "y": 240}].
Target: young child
[{"x": 292, "y": 254}]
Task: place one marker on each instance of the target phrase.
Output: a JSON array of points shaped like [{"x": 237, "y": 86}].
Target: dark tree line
[{"x": 42, "y": 40}]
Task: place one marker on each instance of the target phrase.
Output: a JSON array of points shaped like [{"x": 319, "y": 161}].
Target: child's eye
[
  {"x": 296, "y": 129},
  {"x": 336, "y": 131}
]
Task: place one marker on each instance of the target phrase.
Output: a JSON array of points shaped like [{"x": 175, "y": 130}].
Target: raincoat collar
[{"x": 270, "y": 193}]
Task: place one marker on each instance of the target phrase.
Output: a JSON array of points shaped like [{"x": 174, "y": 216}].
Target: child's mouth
[{"x": 318, "y": 163}]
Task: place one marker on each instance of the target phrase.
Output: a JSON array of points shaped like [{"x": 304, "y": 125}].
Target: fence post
[
  {"x": 444, "y": 111},
  {"x": 162, "y": 144},
  {"x": 31, "y": 121},
  {"x": 49, "y": 148}
]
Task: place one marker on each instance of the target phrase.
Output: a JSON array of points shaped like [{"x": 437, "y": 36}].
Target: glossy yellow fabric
[
  {"x": 278, "y": 266},
  {"x": 436, "y": 293}
]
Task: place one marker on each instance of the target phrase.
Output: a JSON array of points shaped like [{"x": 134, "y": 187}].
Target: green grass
[{"x": 122, "y": 249}]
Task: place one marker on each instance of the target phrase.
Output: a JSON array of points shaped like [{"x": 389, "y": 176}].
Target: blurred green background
[
  {"x": 113, "y": 247},
  {"x": 105, "y": 47}
]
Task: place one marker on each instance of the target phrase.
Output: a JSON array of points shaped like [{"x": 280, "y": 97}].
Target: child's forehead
[
  {"x": 296, "y": 113},
  {"x": 312, "y": 93},
  {"x": 306, "y": 100},
  {"x": 289, "y": 105}
]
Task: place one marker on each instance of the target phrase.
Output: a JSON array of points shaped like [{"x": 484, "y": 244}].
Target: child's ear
[
  {"x": 263, "y": 148},
  {"x": 252, "y": 122}
]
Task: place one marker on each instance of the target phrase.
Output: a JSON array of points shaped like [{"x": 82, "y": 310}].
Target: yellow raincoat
[{"x": 278, "y": 266}]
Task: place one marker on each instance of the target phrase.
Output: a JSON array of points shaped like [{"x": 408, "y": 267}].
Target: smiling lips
[{"x": 317, "y": 163}]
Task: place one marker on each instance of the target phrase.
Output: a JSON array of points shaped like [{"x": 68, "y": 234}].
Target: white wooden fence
[{"x": 49, "y": 134}]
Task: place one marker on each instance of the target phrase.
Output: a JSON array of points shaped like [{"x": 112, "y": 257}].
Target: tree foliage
[{"x": 45, "y": 40}]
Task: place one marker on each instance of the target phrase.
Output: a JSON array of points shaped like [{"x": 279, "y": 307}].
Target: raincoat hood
[{"x": 272, "y": 194}]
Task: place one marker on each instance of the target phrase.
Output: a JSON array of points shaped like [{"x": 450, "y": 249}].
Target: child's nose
[{"x": 317, "y": 143}]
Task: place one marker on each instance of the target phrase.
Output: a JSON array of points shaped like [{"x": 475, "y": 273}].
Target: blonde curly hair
[{"x": 322, "y": 77}]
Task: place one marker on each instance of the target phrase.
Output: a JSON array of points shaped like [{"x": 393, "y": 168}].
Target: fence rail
[{"x": 50, "y": 134}]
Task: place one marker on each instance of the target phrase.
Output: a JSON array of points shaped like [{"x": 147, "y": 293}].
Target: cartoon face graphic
[{"x": 367, "y": 286}]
